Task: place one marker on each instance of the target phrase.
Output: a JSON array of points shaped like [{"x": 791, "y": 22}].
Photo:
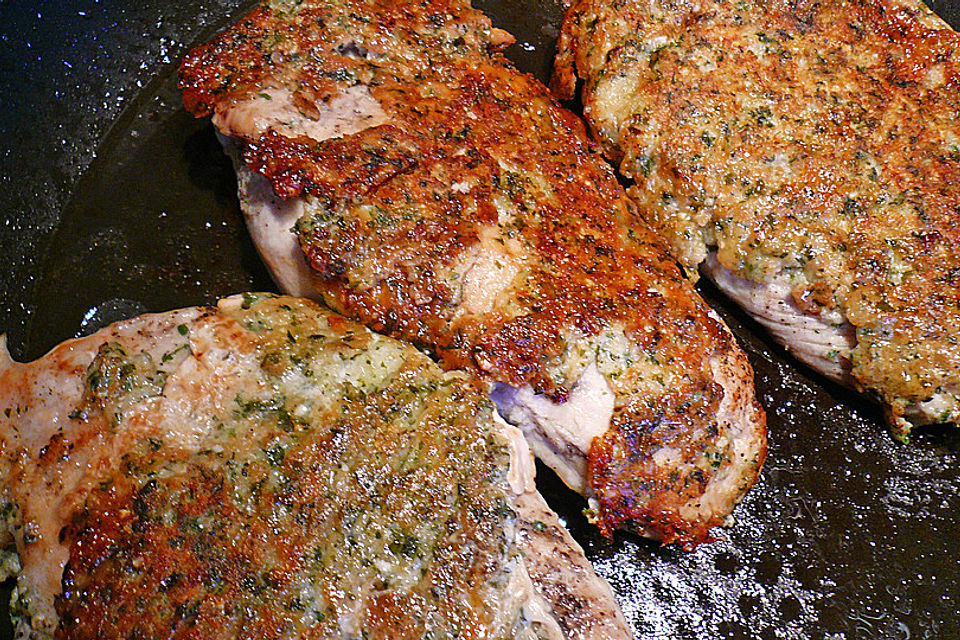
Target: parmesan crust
[
  {"x": 267, "y": 467},
  {"x": 477, "y": 221},
  {"x": 801, "y": 142}
]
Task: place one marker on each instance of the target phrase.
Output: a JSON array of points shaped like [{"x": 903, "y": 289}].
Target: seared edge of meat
[
  {"x": 561, "y": 435},
  {"x": 102, "y": 436},
  {"x": 748, "y": 449},
  {"x": 568, "y": 591},
  {"x": 805, "y": 143},
  {"x": 561, "y": 574},
  {"x": 824, "y": 341},
  {"x": 42, "y": 407},
  {"x": 271, "y": 222}
]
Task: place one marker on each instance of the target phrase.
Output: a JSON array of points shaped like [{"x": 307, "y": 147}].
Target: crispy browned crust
[
  {"x": 203, "y": 553},
  {"x": 273, "y": 529},
  {"x": 390, "y": 228},
  {"x": 818, "y": 139}
]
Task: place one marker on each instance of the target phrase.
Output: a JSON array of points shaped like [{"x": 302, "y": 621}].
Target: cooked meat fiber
[
  {"x": 442, "y": 197},
  {"x": 267, "y": 469},
  {"x": 807, "y": 156}
]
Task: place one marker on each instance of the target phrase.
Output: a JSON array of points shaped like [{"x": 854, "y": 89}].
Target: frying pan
[{"x": 115, "y": 202}]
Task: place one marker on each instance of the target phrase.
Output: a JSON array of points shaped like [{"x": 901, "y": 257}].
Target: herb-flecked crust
[
  {"x": 350, "y": 487},
  {"x": 817, "y": 141},
  {"x": 476, "y": 155}
]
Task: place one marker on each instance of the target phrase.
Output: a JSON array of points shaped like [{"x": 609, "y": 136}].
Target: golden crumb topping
[
  {"x": 348, "y": 488},
  {"x": 476, "y": 220},
  {"x": 817, "y": 141}
]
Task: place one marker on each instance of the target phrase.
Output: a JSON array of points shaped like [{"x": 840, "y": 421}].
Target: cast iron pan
[{"x": 114, "y": 202}]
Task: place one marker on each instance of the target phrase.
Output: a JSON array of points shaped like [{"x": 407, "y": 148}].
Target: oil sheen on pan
[{"x": 117, "y": 202}]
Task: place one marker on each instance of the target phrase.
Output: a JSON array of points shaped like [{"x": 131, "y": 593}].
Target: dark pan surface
[{"x": 115, "y": 202}]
